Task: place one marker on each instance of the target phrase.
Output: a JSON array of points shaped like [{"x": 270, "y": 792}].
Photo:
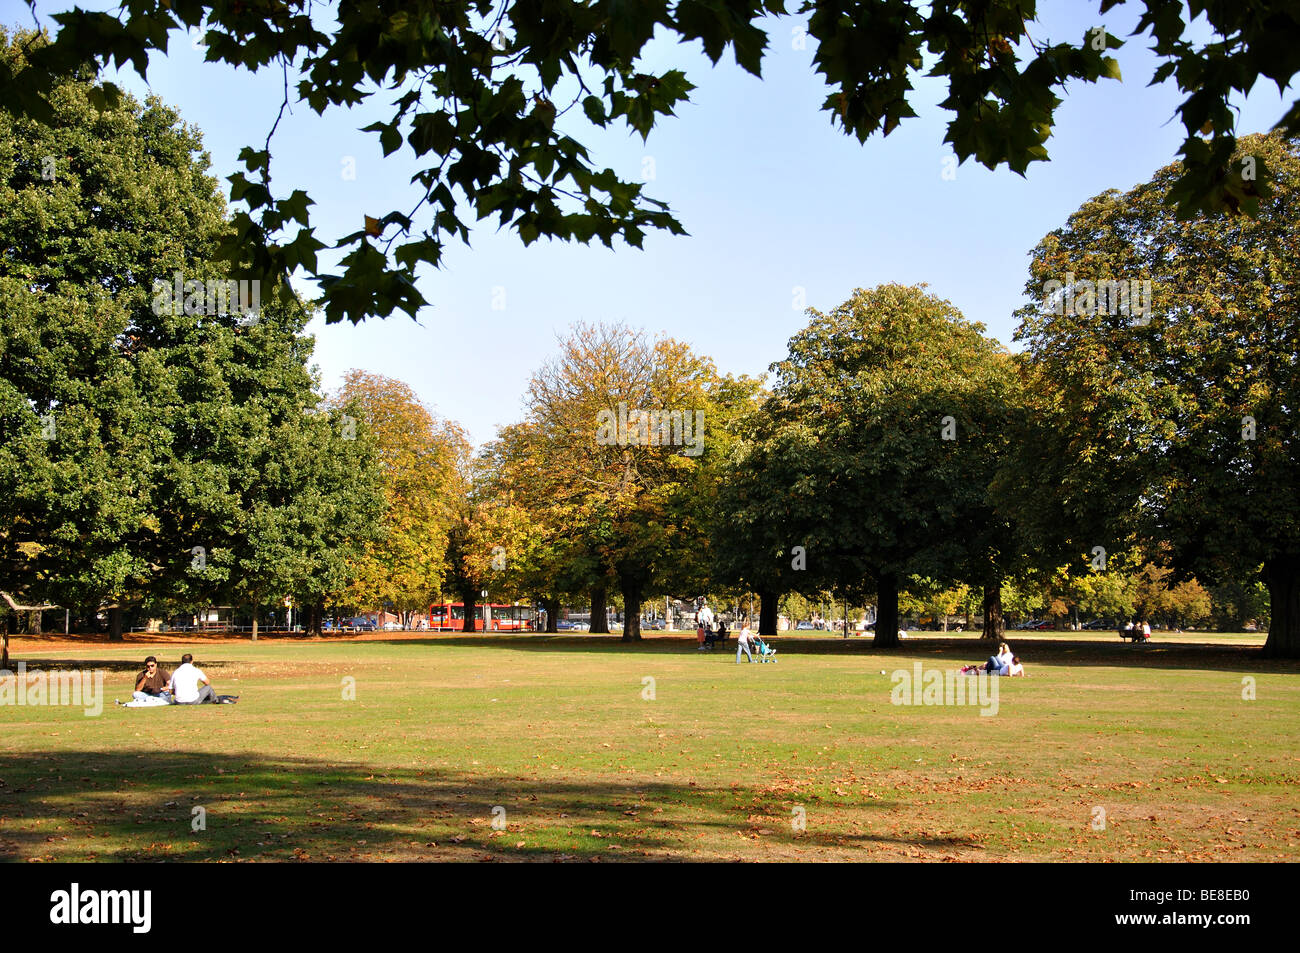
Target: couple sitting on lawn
[
  {"x": 1004, "y": 663},
  {"x": 188, "y": 685}
]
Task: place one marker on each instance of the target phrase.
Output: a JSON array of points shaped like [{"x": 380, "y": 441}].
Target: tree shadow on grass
[
  {"x": 1161, "y": 654},
  {"x": 139, "y": 805}
]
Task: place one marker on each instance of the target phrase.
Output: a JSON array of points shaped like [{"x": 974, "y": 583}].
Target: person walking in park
[{"x": 742, "y": 643}]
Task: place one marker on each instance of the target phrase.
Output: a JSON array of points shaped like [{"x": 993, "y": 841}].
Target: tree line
[{"x": 184, "y": 454}]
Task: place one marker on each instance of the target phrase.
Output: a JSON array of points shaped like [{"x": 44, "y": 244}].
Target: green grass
[{"x": 556, "y": 731}]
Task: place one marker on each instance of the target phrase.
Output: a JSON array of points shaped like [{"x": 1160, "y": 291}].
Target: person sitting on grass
[
  {"x": 151, "y": 683},
  {"x": 186, "y": 681},
  {"x": 996, "y": 663},
  {"x": 1013, "y": 667}
]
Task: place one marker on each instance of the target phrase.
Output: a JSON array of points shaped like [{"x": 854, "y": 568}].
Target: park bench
[{"x": 716, "y": 638}]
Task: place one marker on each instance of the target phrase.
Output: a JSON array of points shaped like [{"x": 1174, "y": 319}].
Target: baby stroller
[{"x": 762, "y": 651}]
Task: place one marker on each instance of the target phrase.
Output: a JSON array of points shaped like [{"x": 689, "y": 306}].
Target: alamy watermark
[
  {"x": 71, "y": 688},
  {"x": 1109, "y": 296},
  {"x": 243, "y": 299},
  {"x": 939, "y": 687},
  {"x": 133, "y": 908},
  {"x": 651, "y": 428}
]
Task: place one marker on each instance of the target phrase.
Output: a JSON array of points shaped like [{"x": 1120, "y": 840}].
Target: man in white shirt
[
  {"x": 705, "y": 617},
  {"x": 186, "y": 681}
]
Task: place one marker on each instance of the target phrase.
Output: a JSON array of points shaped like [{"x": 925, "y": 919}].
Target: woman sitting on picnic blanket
[{"x": 1013, "y": 667}]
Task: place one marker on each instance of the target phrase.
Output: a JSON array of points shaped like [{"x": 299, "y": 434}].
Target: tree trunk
[
  {"x": 599, "y": 610},
  {"x": 994, "y": 626},
  {"x": 315, "y": 615},
  {"x": 1283, "y": 578},
  {"x": 470, "y": 598},
  {"x": 887, "y": 613},
  {"x": 4, "y": 638},
  {"x": 768, "y": 600},
  {"x": 254, "y": 623},
  {"x": 552, "y": 607},
  {"x": 115, "y": 624},
  {"x": 631, "y": 610}
]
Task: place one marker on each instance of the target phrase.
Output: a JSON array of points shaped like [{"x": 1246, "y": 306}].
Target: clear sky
[{"x": 777, "y": 203}]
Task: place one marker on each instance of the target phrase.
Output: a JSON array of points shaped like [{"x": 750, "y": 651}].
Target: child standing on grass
[{"x": 742, "y": 643}]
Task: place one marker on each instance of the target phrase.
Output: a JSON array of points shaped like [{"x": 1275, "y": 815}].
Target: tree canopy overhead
[{"x": 481, "y": 90}]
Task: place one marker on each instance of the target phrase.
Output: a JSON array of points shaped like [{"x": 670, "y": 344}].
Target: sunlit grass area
[{"x": 585, "y": 748}]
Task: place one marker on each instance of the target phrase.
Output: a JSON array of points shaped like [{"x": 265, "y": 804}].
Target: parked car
[
  {"x": 582, "y": 627},
  {"x": 361, "y": 624},
  {"x": 392, "y": 626},
  {"x": 1098, "y": 624},
  {"x": 563, "y": 625},
  {"x": 803, "y": 626},
  {"x": 654, "y": 624}
]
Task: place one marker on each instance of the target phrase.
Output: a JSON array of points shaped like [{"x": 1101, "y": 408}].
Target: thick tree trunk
[
  {"x": 254, "y": 623},
  {"x": 470, "y": 598},
  {"x": 887, "y": 614},
  {"x": 599, "y": 610},
  {"x": 552, "y": 607},
  {"x": 115, "y": 624},
  {"x": 1283, "y": 578},
  {"x": 315, "y": 618},
  {"x": 631, "y": 610},
  {"x": 994, "y": 625},
  {"x": 768, "y": 600}
]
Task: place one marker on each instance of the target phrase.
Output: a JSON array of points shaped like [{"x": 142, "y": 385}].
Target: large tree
[
  {"x": 158, "y": 449},
  {"x": 615, "y": 457},
  {"x": 414, "y": 456},
  {"x": 480, "y": 91},
  {"x": 1173, "y": 415},
  {"x": 874, "y": 442}
]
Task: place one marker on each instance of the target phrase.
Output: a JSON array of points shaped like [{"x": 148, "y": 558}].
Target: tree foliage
[
  {"x": 480, "y": 94},
  {"x": 154, "y": 452},
  {"x": 1175, "y": 422},
  {"x": 416, "y": 457}
]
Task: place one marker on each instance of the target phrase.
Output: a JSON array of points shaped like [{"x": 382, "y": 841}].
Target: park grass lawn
[{"x": 584, "y": 759}]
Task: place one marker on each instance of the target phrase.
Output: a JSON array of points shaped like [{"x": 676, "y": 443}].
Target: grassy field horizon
[{"x": 581, "y": 747}]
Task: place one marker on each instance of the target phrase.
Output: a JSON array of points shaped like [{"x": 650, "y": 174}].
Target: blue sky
[{"x": 776, "y": 201}]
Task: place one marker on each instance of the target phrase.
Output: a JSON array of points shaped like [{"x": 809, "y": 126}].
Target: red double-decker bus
[{"x": 496, "y": 617}]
